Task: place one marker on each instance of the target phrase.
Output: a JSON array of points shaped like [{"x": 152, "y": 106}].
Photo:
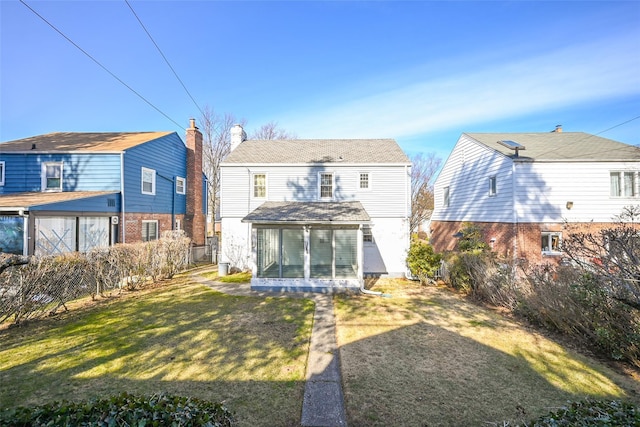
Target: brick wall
[
  {"x": 195, "y": 220},
  {"x": 133, "y": 224},
  {"x": 529, "y": 240}
]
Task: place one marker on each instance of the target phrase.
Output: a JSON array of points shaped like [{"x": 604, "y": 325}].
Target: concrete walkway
[{"x": 323, "y": 404}]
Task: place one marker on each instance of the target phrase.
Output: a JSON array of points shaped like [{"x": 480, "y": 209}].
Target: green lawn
[
  {"x": 181, "y": 338},
  {"x": 428, "y": 357},
  {"x": 424, "y": 356}
]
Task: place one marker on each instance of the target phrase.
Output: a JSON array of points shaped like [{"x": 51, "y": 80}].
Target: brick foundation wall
[
  {"x": 133, "y": 224},
  {"x": 529, "y": 243}
]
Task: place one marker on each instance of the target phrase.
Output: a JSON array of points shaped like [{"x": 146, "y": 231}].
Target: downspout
[
  {"x": 515, "y": 213},
  {"x": 173, "y": 200},
  {"x": 407, "y": 273},
  {"x": 122, "y": 207}
]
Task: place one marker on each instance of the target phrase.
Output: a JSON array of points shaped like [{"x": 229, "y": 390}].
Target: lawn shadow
[
  {"x": 438, "y": 360},
  {"x": 249, "y": 353}
]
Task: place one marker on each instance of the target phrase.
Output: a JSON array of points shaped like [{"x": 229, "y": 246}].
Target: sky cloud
[{"x": 474, "y": 94}]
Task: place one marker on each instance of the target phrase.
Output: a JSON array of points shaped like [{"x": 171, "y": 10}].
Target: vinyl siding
[
  {"x": 82, "y": 206},
  {"x": 167, "y": 156},
  {"x": 81, "y": 172},
  {"x": 466, "y": 172},
  {"x": 385, "y": 198},
  {"x": 543, "y": 190}
]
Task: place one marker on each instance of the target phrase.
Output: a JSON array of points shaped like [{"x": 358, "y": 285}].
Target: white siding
[
  {"x": 387, "y": 202},
  {"x": 388, "y": 252},
  {"x": 543, "y": 190},
  {"x": 466, "y": 172},
  {"x": 388, "y": 194}
]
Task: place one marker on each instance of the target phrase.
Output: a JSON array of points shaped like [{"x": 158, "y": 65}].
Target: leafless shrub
[{"x": 46, "y": 284}]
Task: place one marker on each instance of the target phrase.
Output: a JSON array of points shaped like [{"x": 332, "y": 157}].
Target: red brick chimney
[{"x": 194, "y": 221}]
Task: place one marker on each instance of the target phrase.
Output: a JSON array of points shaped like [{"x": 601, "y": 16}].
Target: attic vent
[
  {"x": 511, "y": 145},
  {"x": 111, "y": 203}
]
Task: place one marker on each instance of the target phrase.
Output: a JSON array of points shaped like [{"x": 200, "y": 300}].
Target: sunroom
[{"x": 307, "y": 246}]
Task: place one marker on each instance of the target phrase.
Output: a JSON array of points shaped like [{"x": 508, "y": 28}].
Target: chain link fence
[{"x": 46, "y": 284}]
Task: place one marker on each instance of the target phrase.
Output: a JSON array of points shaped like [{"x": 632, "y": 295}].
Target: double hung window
[
  {"x": 148, "y": 181},
  {"x": 623, "y": 184},
  {"x": 52, "y": 176}
]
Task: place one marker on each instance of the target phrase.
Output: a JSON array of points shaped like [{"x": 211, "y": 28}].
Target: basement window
[{"x": 551, "y": 242}]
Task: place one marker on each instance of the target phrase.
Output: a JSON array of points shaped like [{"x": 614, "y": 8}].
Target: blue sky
[{"x": 421, "y": 72}]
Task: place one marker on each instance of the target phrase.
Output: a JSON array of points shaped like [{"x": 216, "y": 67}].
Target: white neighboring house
[
  {"x": 315, "y": 215},
  {"x": 521, "y": 189}
]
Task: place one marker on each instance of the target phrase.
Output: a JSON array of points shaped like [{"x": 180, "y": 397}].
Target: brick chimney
[
  {"x": 237, "y": 136},
  {"x": 194, "y": 221}
]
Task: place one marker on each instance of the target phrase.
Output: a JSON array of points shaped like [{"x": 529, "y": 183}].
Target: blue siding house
[{"x": 66, "y": 192}]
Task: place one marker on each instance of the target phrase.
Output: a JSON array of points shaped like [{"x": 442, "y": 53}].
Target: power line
[
  {"x": 619, "y": 124},
  {"x": 100, "y": 65},
  {"x": 163, "y": 56}
]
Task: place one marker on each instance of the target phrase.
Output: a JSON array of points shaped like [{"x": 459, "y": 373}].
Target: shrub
[
  {"x": 422, "y": 261},
  {"x": 124, "y": 409},
  {"x": 471, "y": 239},
  {"x": 575, "y": 302},
  {"x": 591, "y": 413}
]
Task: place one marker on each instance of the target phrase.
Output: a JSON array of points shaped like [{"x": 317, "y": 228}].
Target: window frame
[
  {"x": 368, "y": 181},
  {"x": 1, "y": 173},
  {"x": 320, "y": 185},
  {"x": 153, "y": 181},
  {"x": 254, "y": 187},
  {"x": 549, "y": 250},
  {"x": 142, "y": 230},
  {"x": 621, "y": 187},
  {"x": 181, "y": 181},
  {"x": 446, "y": 197},
  {"x": 44, "y": 179},
  {"x": 493, "y": 186},
  {"x": 367, "y": 235}
]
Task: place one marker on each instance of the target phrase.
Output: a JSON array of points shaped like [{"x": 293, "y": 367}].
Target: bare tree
[
  {"x": 611, "y": 255},
  {"x": 216, "y": 135},
  {"x": 271, "y": 131},
  {"x": 423, "y": 172}
]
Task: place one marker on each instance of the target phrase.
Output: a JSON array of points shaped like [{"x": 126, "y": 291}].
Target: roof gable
[
  {"x": 558, "y": 146},
  {"x": 81, "y": 142},
  {"x": 309, "y": 151}
]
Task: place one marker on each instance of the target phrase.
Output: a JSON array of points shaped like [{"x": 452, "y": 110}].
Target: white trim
[
  {"x": 493, "y": 186},
  {"x": 333, "y": 185},
  {"x": 149, "y": 221},
  {"x": 43, "y": 177},
  {"x": 550, "y": 250},
  {"x": 368, "y": 187},
  {"x": 182, "y": 180},
  {"x": 253, "y": 185},
  {"x": 153, "y": 181}
]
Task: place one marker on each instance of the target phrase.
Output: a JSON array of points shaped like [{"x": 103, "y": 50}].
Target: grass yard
[
  {"x": 426, "y": 357},
  {"x": 179, "y": 337}
]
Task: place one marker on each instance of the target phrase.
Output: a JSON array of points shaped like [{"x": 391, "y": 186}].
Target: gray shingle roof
[
  {"x": 557, "y": 146},
  {"x": 81, "y": 141},
  {"x": 303, "y": 151},
  {"x": 308, "y": 212},
  {"x": 26, "y": 200}
]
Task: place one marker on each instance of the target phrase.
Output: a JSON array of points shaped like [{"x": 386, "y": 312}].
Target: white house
[
  {"x": 316, "y": 215},
  {"x": 522, "y": 188}
]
